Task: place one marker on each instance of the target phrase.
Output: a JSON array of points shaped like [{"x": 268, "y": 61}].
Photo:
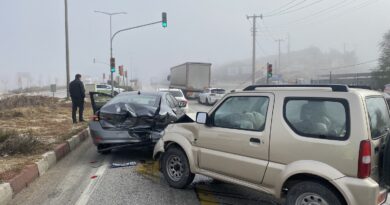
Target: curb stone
[
  {"x": 5, "y": 193},
  {"x": 30, "y": 172}
]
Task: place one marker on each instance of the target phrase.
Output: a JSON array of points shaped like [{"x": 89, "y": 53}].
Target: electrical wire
[
  {"x": 349, "y": 66},
  {"x": 295, "y": 10},
  {"x": 284, "y": 10},
  {"x": 281, "y": 7}
]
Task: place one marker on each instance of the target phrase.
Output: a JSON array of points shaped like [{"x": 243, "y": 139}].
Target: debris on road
[{"x": 128, "y": 164}]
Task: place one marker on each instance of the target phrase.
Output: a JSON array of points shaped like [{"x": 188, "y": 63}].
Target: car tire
[
  {"x": 308, "y": 192},
  {"x": 176, "y": 168},
  {"x": 103, "y": 146},
  {"x": 207, "y": 101},
  {"x": 115, "y": 93},
  {"x": 199, "y": 100}
]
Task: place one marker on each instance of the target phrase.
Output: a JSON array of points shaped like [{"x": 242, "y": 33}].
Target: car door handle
[{"x": 254, "y": 140}]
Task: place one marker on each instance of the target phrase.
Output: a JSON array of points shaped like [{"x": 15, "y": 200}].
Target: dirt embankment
[{"x": 32, "y": 125}]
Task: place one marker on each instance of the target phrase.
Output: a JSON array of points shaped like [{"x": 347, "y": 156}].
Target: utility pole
[
  {"x": 254, "y": 17},
  {"x": 67, "y": 50},
  {"x": 279, "y": 41}
]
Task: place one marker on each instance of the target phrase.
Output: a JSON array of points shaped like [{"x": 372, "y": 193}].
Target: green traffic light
[
  {"x": 269, "y": 75},
  {"x": 164, "y": 24},
  {"x": 113, "y": 70}
]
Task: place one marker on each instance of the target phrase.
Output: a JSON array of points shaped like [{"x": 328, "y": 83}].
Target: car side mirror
[{"x": 201, "y": 117}]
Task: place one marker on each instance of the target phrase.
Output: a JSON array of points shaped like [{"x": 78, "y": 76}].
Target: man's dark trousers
[{"x": 77, "y": 103}]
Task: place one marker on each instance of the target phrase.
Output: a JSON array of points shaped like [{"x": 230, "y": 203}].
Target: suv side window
[
  {"x": 241, "y": 112},
  {"x": 378, "y": 115},
  {"x": 318, "y": 117}
]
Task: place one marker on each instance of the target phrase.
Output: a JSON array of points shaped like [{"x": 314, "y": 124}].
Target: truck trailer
[{"x": 191, "y": 77}]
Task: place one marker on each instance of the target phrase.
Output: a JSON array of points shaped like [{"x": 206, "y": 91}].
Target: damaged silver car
[{"x": 132, "y": 119}]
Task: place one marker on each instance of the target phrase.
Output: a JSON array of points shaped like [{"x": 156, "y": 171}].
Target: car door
[
  {"x": 235, "y": 141},
  {"x": 99, "y": 99},
  {"x": 174, "y": 104}
]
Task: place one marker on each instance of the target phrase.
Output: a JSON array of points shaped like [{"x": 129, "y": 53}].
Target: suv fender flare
[
  {"x": 182, "y": 142},
  {"x": 309, "y": 167}
]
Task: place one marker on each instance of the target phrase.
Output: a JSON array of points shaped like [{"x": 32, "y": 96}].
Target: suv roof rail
[
  {"x": 367, "y": 87},
  {"x": 335, "y": 87}
]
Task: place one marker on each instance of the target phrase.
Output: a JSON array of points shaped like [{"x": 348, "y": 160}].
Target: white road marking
[{"x": 93, "y": 184}]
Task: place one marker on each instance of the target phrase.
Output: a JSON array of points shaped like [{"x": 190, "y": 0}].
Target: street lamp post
[
  {"x": 67, "y": 50},
  {"x": 111, "y": 14}
]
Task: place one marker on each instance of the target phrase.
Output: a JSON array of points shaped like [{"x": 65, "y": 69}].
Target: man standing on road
[{"x": 77, "y": 93}]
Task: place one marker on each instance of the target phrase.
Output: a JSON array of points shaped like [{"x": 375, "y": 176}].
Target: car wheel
[
  {"x": 309, "y": 192},
  {"x": 115, "y": 93},
  {"x": 199, "y": 100},
  {"x": 176, "y": 168},
  {"x": 103, "y": 146},
  {"x": 207, "y": 101}
]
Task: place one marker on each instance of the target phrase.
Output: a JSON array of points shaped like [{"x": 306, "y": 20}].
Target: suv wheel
[
  {"x": 176, "y": 168},
  {"x": 308, "y": 192}
]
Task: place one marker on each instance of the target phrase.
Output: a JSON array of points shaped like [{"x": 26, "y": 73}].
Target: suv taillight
[{"x": 364, "y": 165}]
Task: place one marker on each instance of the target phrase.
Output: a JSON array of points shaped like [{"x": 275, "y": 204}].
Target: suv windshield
[{"x": 378, "y": 115}]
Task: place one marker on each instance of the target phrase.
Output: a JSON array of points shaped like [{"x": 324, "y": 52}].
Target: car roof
[
  {"x": 143, "y": 93},
  {"x": 168, "y": 89}
]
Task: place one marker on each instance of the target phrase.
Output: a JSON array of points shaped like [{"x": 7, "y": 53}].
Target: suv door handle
[{"x": 254, "y": 140}]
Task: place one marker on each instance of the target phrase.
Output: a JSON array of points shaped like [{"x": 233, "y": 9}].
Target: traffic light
[
  {"x": 164, "y": 20},
  {"x": 269, "y": 70},
  {"x": 112, "y": 64},
  {"x": 121, "y": 70}
]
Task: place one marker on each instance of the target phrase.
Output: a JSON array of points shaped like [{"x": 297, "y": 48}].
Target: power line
[
  {"x": 334, "y": 6},
  {"x": 294, "y": 10},
  {"x": 284, "y": 10},
  {"x": 348, "y": 66},
  {"x": 281, "y": 7}
]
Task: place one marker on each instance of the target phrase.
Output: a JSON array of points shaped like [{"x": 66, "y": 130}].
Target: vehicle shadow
[{"x": 207, "y": 190}]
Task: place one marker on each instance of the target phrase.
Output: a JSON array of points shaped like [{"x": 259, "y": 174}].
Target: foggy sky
[{"x": 216, "y": 31}]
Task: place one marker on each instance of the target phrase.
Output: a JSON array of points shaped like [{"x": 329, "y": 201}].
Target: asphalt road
[{"x": 86, "y": 177}]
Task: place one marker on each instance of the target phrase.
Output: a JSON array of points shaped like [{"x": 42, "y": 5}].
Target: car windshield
[
  {"x": 176, "y": 93},
  {"x": 150, "y": 100},
  {"x": 218, "y": 91},
  {"x": 378, "y": 115}
]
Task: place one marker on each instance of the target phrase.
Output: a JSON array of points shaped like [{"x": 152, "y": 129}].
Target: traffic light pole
[{"x": 112, "y": 39}]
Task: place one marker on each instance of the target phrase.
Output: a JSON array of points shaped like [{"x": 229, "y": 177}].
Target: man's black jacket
[{"x": 76, "y": 90}]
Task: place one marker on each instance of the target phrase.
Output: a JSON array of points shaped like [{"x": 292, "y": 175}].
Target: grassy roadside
[{"x": 31, "y": 126}]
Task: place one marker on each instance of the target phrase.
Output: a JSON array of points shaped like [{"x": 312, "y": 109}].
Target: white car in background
[
  {"x": 178, "y": 94},
  {"x": 103, "y": 88},
  {"x": 211, "y": 95}
]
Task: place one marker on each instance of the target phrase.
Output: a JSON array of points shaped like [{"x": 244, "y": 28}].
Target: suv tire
[
  {"x": 309, "y": 191},
  {"x": 176, "y": 169}
]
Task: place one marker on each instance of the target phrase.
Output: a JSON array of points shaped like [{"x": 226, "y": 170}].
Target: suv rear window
[
  {"x": 318, "y": 117},
  {"x": 378, "y": 115}
]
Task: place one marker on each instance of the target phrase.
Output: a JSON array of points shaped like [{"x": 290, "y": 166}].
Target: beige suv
[{"x": 308, "y": 144}]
